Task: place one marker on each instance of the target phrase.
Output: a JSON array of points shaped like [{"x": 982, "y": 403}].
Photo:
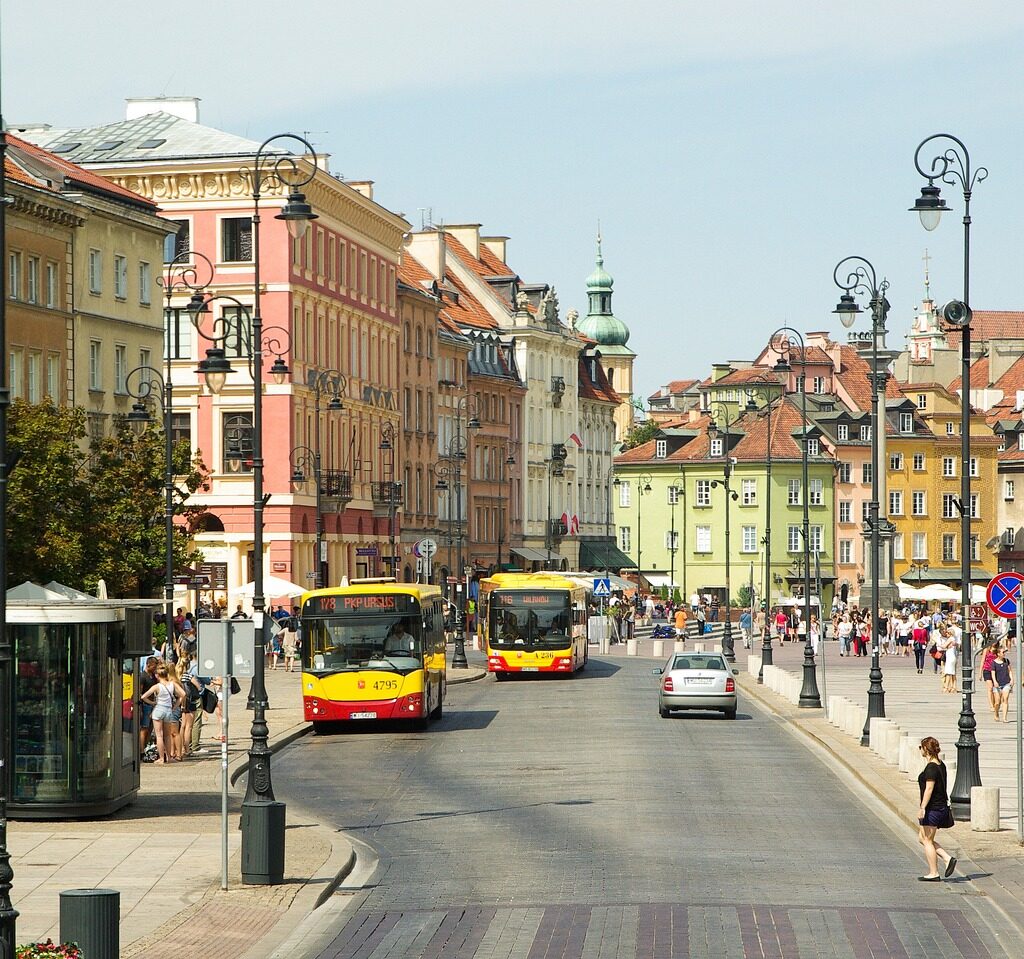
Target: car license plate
[
  {"x": 362, "y": 716},
  {"x": 699, "y": 681},
  {"x": 530, "y": 669}
]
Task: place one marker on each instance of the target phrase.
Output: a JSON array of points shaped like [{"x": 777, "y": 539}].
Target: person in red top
[
  {"x": 986, "y": 675},
  {"x": 781, "y": 624}
]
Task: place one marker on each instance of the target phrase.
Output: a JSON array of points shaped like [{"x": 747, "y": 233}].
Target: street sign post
[
  {"x": 978, "y": 617},
  {"x": 1003, "y": 590},
  {"x": 602, "y": 587}
]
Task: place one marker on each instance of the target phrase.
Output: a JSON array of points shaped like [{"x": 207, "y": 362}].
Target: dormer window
[
  {"x": 906, "y": 422},
  {"x": 922, "y": 401},
  {"x": 660, "y": 449},
  {"x": 812, "y": 446},
  {"x": 842, "y": 432},
  {"x": 717, "y": 446}
]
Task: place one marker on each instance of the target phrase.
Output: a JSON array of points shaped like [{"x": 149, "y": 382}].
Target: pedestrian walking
[
  {"x": 844, "y": 632},
  {"x": 680, "y": 623},
  {"x": 166, "y": 695},
  {"x": 815, "y": 633},
  {"x": 951, "y": 651},
  {"x": 1002, "y": 681},
  {"x": 934, "y": 812},
  {"x": 919, "y": 634},
  {"x": 988, "y": 655},
  {"x": 745, "y": 626}
]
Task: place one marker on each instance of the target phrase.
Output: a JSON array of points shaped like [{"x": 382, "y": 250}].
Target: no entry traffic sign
[{"x": 1002, "y": 594}]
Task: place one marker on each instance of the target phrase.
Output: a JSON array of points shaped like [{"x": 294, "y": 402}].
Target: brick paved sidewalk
[{"x": 163, "y": 853}]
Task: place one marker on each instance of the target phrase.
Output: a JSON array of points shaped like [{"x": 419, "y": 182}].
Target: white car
[{"x": 697, "y": 681}]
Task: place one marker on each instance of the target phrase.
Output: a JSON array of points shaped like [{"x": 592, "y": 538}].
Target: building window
[
  {"x": 673, "y": 494},
  {"x": 917, "y": 503},
  {"x": 949, "y": 510},
  {"x": 181, "y": 428},
  {"x": 1008, "y": 489},
  {"x": 660, "y": 449},
  {"x": 975, "y": 506},
  {"x": 866, "y": 472},
  {"x": 919, "y": 546},
  {"x": 906, "y": 422},
  {"x": 975, "y": 548},
  {"x": 973, "y": 467},
  {"x": 32, "y": 286},
  {"x": 15, "y": 373},
  {"x": 703, "y": 539},
  {"x": 948, "y": 466},
  {"x": 896, "y": 462},
  {"x": 818, "y": 384},
  {"x": 846, "y": 552},
  {"x": 51, "y": 286},
  {"x": 895, "y": 503},
  {"x": 180, "y": 334},
  {"x": 919, "y": 462},
  {"x": 95, "y": 365},
  {"x": 948, "y": 547},
  {"x": 1020, "y": 440},
  {"x": 53, "y": 376},
  {"x": 95, "y": 271},
  {"x": 749, "y": 536},
  {"x": 749, "y": 487},
  {"x": 145, "y": 283},
  {"x": 703, "y": 492},
  {"x": 865, "y": 434},
  {"x": 817, "y": 539},
  {"x": 120, "y": 368},
  {"x": 793, "y": 539},
  {"x": 717, "y": 446},
  {"x": 14, "y": 275},
  {"x": 120, "y": 276},
  {"x": 949, "y": 428},
  {"x": 812, "y": 447},
  {"x": 844, "y": 472},
  {"x": 842, "y": 432},
  {"x": 624, "y": 538},
  {"x": 897, "y": 546},
  {"x": 671, "y": 540},
  {"x": 178, "y": 241},
  {"x": 865, "y": 510},
  {"x": 237, "y": 437},
  {"x": 845, "y": 510},
  {"x": 922, "y": 401},
  {"x": 33, "y": 382},
  {"x": 623, "y": 492},
  {"x": 817, "y": 492},
  {"x": 236, "y": 239},
  {"x": 793, "y": 492}
]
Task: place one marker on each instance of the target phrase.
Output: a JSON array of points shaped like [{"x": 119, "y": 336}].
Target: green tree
[
  {"x": 640, "y": 433},
  {"x": 745, "y": 596}
]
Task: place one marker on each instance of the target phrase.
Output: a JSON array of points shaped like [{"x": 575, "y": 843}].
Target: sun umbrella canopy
[{"x": 273, "y": 588}]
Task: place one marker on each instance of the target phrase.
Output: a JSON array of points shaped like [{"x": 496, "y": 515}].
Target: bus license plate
[
  {"x": 362, "y": 716},
  {"x": 529, "y": 669}
]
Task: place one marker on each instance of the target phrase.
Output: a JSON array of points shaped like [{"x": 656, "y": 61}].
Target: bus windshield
[
  {"x": 363, "y": 641},
  {"x": 524, "y": 619}
]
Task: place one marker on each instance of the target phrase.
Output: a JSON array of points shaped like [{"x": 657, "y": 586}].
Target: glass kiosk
[{"x": 75, "y": 744}]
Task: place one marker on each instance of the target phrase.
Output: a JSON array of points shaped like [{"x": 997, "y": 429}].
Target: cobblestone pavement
[{"x": 564, "y": 818}]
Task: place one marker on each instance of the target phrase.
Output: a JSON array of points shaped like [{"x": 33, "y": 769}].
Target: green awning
[{"x": 603, "y": 554}]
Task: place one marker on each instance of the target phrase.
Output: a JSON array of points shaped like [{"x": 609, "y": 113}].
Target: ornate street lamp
[
  {"x": 392, "y": 490},
  {"x": 919, "y": 568},
  {"x": 720, "y": 412},
  {"x": 853, "y": 275},
  {"x": 643, "y": 486},
  {"x": 953, "y": 166},
  {"x": 767, "y": 658},
  {"x": 505, "y": 532},
  {"x": 809, "y": 695}
]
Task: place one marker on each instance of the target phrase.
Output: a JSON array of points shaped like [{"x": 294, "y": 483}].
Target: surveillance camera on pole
[{"x": 957, "y": 313}]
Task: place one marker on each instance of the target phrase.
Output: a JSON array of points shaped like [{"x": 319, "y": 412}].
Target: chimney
[
  {"x": 718, "y": 370},
  {"x": 429, "y": 248},
  {"x": 468, "y": 234},
  {"x": 362, "y": 186},
  {"x": 497, "y": 245},
  {"x": 187, "y": 108}
]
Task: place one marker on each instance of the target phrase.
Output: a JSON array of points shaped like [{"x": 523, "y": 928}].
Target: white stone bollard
[
  {"x": 658, "y": 649},
  {"x": 830, "y": 709},
  {"x": 630, "y": 647},
  {"x": 843, "y": 719},
  {"x": 875, "y": 726},
  {"x": 754, "y": 665},
  {"x": 890, "y": 744},
  {"x": 698, "y": 647},
  {"x": 771, "y": 677},
  {"x": 985, "y": 808},
  {"x": 717, "y": 648},
  {"x": 915, "y": 761},
  {"x": 679, "y": 646},
  {"x": 906, "y": 744},
  {"x": 793, "y": 685},
  {"x": 855, "y": 720}
]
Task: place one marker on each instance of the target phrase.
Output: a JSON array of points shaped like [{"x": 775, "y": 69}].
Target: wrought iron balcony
[
  {"x": 557, "y": 390},
  {"x": 386, "y": 497},
  {"x": 335, "y": 488},
  {"x": 557, "y": 529}
]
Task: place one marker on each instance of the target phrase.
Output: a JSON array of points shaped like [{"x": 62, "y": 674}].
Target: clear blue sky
[{"x": 734, "y": 152}]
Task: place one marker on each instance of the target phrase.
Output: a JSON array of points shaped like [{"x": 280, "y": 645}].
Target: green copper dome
[{"x": 600, "y": 324}]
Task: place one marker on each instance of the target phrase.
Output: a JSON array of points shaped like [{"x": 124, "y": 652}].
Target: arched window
[
  {"x": 408, "y": 337},
  {"x": 419, "y": 340}
]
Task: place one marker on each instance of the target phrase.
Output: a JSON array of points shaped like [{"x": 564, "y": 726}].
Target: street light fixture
[
  {"x": 782, "y": 341},
  {"x": 854, "y": 274},
  {"x": 392, "y": 489},
  {"x": 674, "y": 492},
  {"x": 953, "y": 166},
  {"x": 505, "y": 531},
  {"x": 719, "y": 411},
  {"x": 919, "y": 568},
  {"x": 767, "y": 657},
  {"x": 643, "y": 486}
]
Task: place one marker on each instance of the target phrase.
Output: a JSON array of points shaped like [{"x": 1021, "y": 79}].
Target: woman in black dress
[{"x": 934, "y": 812}]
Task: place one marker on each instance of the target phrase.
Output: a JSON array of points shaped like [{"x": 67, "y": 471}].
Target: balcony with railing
[
  {"x": 557, "y": 390},
  {"x": 335, "y": 489},
  {"x": 557, "y": 529},
  {"x": 386, "y": 498}
]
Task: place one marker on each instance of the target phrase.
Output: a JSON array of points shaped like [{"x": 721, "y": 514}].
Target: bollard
[
  {"x": 658, "y": 649},
  {"x": 698, "y": 647},
  {"x": 90, "y": 917},
  {"x": 833, "y": 710},
  {"x": 889, "y": 748},
  {"x": 843, "y": 714},
  {"x": 717, "y": 648},
  {"x": 770, "y": 677},
  {"x": 679, "y": 646},
  {"x": 906, "y": 744},
  {"x": 754, "y": 664},
  {"x": 795, "y": 685},
  {"x": 985, "y": 808},
  {"x": 630, "y": 647},
  {"x": 874, "y": 731},
  {"x": 854, "y": 720}
]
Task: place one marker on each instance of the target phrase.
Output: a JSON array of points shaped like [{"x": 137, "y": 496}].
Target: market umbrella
[{"x": 273, "y": 588}]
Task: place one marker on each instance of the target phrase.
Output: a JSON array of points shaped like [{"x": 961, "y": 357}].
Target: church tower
[{"x": 611, "y": 336}]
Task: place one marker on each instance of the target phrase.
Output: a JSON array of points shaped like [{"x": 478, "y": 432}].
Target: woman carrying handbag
[{"x": 934, "y": 812}]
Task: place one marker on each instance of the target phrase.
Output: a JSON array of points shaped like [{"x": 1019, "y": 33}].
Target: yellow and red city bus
[
  {"x": 373, "y": 650},
  {"x": 533, "y": 623}
]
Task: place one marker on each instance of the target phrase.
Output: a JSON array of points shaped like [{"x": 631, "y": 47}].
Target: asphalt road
[{"x": 545, "y": 818}]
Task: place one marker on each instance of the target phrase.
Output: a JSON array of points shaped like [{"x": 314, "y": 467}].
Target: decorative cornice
[{"x": 44, "y": 211}]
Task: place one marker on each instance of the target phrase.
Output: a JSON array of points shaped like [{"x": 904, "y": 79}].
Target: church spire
[{"x": 600, "y": 324}]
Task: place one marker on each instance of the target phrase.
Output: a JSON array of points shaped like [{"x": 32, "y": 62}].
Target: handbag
[
  {"x": 949, "y": 821},
  {"x": 235, "y": 687},
  {"x": 209, "y": 700},
  {"x": 938, "y": 655}
]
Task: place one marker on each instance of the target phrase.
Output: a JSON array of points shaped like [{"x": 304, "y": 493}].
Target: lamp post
[
  {"x": 953, "y": 166},
  {"x": 852, "y": 275},
  {"x": 505, "y": 531},
  {"x": 674, "y": 493},
  {"x": 767, "y": 658},
  {"x": 719, "y": 411},
  {"x": 919, "y": 568},
  {"x": 810, "y": 698},
  {"x": 392, "y": 489},
  {"x": 643, "y": 485}
]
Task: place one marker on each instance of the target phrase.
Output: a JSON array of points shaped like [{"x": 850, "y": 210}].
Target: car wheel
[
  {"x": 730, "y": 713},
  {"x": 663, "y": 712}
]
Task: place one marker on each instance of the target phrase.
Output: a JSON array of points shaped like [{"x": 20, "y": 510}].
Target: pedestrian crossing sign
[{"x": 602, "y": 587}]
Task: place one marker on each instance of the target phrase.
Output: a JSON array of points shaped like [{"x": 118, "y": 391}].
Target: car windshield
[
  {"x": 699, "y": 662},
  {"x": 530, "y": 620},
  {"x": 372, "y": 641}
]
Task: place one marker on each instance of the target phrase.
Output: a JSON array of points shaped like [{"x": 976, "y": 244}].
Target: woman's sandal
[
  {"x": 950, "y": 866},
  {"x": 929, "y": 878}
]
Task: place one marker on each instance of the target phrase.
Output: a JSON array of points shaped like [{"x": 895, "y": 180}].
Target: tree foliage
[
  {"x": 79, "y": 513},
  {"x": 640, "y": 433}
]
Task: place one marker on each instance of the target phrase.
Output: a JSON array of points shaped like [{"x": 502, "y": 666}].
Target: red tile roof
[
  {"x": 467, "y": 311},
  {"x": 755, "y": 375},
  {"x": 992, "y": 325},
  {"x": 591, "y": 390},
  {"x": 979, "y": 375}
]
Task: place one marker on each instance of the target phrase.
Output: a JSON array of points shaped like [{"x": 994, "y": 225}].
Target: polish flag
[
  {"x": 576, "y": 440},
  {"x": 574, "y": 525}
]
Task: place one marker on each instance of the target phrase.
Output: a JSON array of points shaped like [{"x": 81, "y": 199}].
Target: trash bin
[
  {"x": 90, "y": 917},
  {"x": 263, "y": 843}
]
